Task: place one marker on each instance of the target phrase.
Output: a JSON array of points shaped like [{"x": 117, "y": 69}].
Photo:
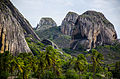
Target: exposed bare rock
[
  {"x": 92, "y": 29},
  {"x": 68, "y": 23},
  {"x": 46, "y": 23},
  {"x": 49, "y": 42},
  {"x": 13, "y": 28}
]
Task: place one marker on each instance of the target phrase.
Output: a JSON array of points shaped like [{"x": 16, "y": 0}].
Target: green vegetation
[
  {"x": 45, "y": 65},
  {"x": 50, "y": 64},
  {"x": 115, "y": 47},
  {"x": 111, "y": 52},
  {"x": 54, "y": 34},
  {"x": 35, "y": 45},
  {"x": 116, "y": 70},
  {"x": 50, "y": 33},
  {"x": 68, "y": 50}
]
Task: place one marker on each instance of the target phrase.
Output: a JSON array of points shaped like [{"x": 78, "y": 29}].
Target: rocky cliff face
[
  {"x": 13, "y": 29},
  {"x": 92, "y": 29},
  {"x": 68, "y": 23},
  {"x": 46, "y": 23}
]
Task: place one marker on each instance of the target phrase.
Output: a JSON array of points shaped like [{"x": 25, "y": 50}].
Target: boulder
[{"x": 92, "y": 29}]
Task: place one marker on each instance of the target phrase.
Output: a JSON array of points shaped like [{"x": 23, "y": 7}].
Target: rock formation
[
  {"x": 13, "y": 29},
  {"x": 68, "y": 23},
  {"x": 49, "y": 42},
  {"x": 46, "y": 23},
  {"x": 92, "y": 29}
]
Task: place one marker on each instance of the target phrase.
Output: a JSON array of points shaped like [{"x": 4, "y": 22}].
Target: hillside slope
[
  {"x": 54, "y": 34},
  {"x": 13, "y": 29}
]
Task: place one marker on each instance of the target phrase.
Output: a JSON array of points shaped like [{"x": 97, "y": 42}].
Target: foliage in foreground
[{"x": 50, "y": 64}]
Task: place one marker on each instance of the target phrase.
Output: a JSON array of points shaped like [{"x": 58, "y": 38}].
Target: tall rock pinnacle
[{"x": 68, "y": 23}]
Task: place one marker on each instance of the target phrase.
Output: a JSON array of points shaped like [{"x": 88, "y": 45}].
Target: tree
[
  {"x": 13, "y": 65},
  {"x": 71, "y": 74},
  {"x": 24, "y": 64},
  {"x": 80, "y": 64},
  {"x": 51, "y": 60},
  {"x": 5, "y": 64},
  {"x": 96, "y": 58},
  {"x": 40, "y": 64},
  {"x": 49, "y": 56}
]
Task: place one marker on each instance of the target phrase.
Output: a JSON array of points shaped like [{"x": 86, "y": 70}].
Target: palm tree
[
  {"x": 96, "y": 58},
  {"x": 50, "y": 56},
  {"x": 41, "y": 64},
  {"x": 80, "y": 64},
  {"x": 24, "y": 64}
]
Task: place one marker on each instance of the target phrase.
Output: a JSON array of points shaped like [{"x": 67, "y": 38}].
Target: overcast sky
[{"x": 33, "y": 10}]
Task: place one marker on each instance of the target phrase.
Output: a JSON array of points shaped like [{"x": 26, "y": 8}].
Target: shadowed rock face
[
  {"x": 13, "y": 29},
  {"x": 92, "y": 29},
  {"x": 46, "y": 23},
  {"x": 68, "y": 23}
]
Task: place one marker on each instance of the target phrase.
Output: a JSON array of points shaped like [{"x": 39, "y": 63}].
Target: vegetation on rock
[{"x": 54, "y": 34}]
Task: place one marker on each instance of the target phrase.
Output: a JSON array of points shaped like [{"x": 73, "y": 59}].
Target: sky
[{"x": 34, "y": 10}]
